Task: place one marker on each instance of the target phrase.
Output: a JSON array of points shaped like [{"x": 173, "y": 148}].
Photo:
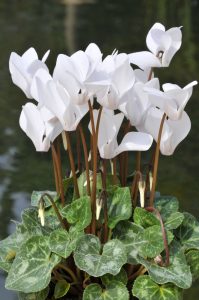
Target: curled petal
[
  {"x": 135, "y": 141},
  {"x": 144, "y": 59}
]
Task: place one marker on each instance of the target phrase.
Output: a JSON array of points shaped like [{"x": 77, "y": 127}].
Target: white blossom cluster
[{"x": 62, "y": 98}]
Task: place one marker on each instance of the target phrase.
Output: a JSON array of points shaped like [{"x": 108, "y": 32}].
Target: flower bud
[
  {"x": 142, "y": 186},
  {"x": 64, "y": 140},
  {"x": 150, "y": 180},
  {"x": 41, "y": 212},
  {"x": 99, "y": 203}
]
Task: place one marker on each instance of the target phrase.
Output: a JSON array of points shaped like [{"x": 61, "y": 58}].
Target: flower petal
[
  {"x": 135, "y": 141},
  {"x": 144, "y": 59}
]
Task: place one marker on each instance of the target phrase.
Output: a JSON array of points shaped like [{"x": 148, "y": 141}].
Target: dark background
[{"x": 64, "y": 27}]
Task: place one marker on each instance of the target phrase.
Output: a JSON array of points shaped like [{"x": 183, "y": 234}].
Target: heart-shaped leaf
[
  {"x": 33, "y": 258},
  {"x": 62, "y": 242},
  {"x": 174, "y": 220},
  {"x": 188, "y": 232},
  {"x": 42, "y": 295},
  {"x": 78, "y": 212},
  {"x": 145, "y": 288},
  {"x": 150, "y": 242},
  {"x": 166, "y": 205},
  {"x": 193, "y": 261},
  {"x": 59, "y": 243},
  {"x": 144, "y": 218},
  {"x": 178, "y": 272},
  {"x": 96, "y": 261},
  {"x": 36, "y": 197},
  {"x": 61, "y": 288},
  {"x": 127, "y": 232},
  {"x": 114, "y": 291},
  {"x": 119, "y": 205}
]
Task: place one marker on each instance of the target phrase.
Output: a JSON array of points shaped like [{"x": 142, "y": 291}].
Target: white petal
[
  {"x": 44, "y": 58},
  {"x": 32, "y": 124},
  {"x": 19, "y": 77},
  {"x": 39, "y": 83},
  {"x": 81, "y": 61},
  {"x": 123, "y": 77},
  {"x": 151, "y": 44},
  {"x": 94, "y": 52},
  {"x": 142, "y": 75},
  {"x": 29, "y": 56},
  {"x": 180, "y": 130},
  {"x": 144, "y": 59},
  {"x": 135, "y": 141}
]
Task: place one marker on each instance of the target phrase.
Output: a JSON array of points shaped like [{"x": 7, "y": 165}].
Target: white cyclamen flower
[
  {"x": 107, "y": 136},
  {"x": 173, "y": 131},
  {"x": 79, "y": 73},
  {"x": 122, "y": 78},
  {"x": 41, "y": 132},
  {"x": 23, "y": 68},
  {"x": 173, "y": 100},
  {"x": 136, "y": 101},
  {"x": 163, "y": 45},
  {"x": 56, "y": 99}
]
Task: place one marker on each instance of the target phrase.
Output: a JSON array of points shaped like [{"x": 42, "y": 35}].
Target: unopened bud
[
  {"x": 64, "y": 140},
  {"x": 141, "y": 186},
  {"x": 99, "y": 203},
  {"x": 41, "y": 212},
  {"x": 158, "y": 260},
  {"x": 150, "y": 180}
]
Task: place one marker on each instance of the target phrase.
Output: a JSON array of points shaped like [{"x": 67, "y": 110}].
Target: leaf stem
[
  {"x": 94, "y": 144},
  {"x": 139, "y": 272},
  {"x": 55, "y": 209},
  {"x": 156, "y": 160},
  {"x": 85, "y": 159},
  {"x": 164, "y": 236},
  {"x": 55, "y": 174},
  {"x": 59, "y": 175}
]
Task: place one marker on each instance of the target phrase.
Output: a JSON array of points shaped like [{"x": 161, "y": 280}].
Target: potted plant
[{"x": 105, "y": 232}]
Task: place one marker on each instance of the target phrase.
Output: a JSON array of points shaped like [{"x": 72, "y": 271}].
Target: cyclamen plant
[{"x": 105, "y": 233}]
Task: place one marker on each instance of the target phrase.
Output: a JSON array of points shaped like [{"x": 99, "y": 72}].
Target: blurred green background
[{"x": 64, "y": 27}]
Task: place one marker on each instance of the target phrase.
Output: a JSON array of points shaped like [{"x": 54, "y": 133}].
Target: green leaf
[
  {"x": 96, "y": 261},
  {"x": 188, "y": 232},
  {"x": 119, "y": 206},
  {"x": 193, "y": 261},
  {"x": 145, "y": 288},
  {"x": 178, "y": 272},
  {"x": 127, "y": 232},
  {"x": 121, "y": 277},
  {"x": 32, "y": 267},
  {"x": 61, "y": 288},
  {"x": 36, "y": 197},
  {"x": 174, "y": 220},
  {"x": 62, "y": 242},
  {"x": 150, "y": 242},
  {"x": 78, "y": 212},
  {"x": 114, "y": 291},
  {"x": 82, "y": 182},
  {"x": 144, "y": 218},
  {"x": 166, "y": 205},
  {"x": 31, "y": 223},
  {"x": 42, "y": 295}
]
